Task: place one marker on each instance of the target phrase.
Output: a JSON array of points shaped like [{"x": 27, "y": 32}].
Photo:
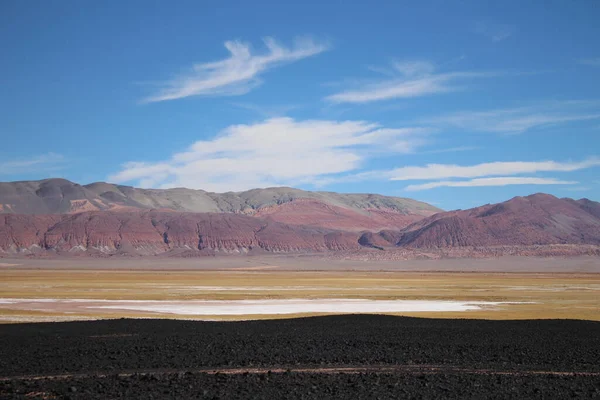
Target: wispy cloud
[
  {"x": 275, "y": 152},
  {"x": 494, "y": 32},
  {"x": 408, "y": 79},
  {"x": 498, "y": 181},
  {"x": 484, "y": 174},
  {"x": 594, "y": 62},
  {"x": 450, "y": 150},
  {"x": 39, "y": 163},
  {"x": 270, "y": 111},
  {"x": 520, "y": 119},
  {"x": 443, "y": 171},
  {"x": 237, "y": 74}
]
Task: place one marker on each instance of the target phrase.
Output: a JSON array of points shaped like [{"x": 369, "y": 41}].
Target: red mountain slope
[
  {"x": 535, "y": 221},
  {"x": 158, "y": 232},
  {"x": 538, "y": 219},
  {"x": 316, "y": 213},
  {"x": 288, "y": 205}
]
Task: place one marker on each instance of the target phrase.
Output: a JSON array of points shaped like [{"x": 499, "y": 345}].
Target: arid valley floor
[
  {"x": 510, "y": 327},
  {"x": 278, "y": 287}
]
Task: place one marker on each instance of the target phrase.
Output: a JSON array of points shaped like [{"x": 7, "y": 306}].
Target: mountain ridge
[
  {"x": 537, "y": 219},
  {"x": 349, "y": 211},
  {"x": 538, "y": 224}
]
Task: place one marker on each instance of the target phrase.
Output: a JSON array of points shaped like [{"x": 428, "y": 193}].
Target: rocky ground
[{"x": 323, "y": 357}]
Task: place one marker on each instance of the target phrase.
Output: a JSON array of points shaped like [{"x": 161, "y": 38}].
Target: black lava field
[{"x": 351, "y": 357}]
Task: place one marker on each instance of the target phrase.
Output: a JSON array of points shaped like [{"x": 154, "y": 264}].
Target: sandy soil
[
  {"x": 314, "y": 263},
  {"x": 74, "y": 294}
]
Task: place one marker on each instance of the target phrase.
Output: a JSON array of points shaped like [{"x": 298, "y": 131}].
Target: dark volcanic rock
[
  {"x": 407, "y": 357},
  {"x": 188, "y": 385}
]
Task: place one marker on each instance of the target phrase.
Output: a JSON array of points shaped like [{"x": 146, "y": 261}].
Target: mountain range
[
  {"x": 354, "y": 212},
  {"x": 56, "y": 216}
]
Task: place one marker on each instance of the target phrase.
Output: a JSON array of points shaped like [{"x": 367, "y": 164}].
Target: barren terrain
[
  {"x": 245, "y": 344},
  {"x": 277, "y": 221},
  {"x": 350, "y": 357},
  {"x": 275, "y": 287}
]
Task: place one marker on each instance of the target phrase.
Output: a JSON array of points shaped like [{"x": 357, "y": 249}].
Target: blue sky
[{"x": 454, "y": 103}]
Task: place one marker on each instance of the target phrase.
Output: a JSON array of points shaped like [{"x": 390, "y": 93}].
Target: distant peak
[
  {"x": 541, "y": 196},
  {"x": 56, "y": 181},
  {"x": 534, "y": 197}
]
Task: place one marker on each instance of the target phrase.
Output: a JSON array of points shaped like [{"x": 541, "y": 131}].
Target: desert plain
[
  {"x": 264, "y": 327},
  {"x": 270, "y": 287}
]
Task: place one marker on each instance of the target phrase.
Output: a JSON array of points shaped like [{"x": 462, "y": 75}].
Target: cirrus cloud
[
  {"x": 484, "y": 174},
  {"x": 498, "y": 181},
  {"x": 493, "y": 31},
  {"x": 409, "y": 79},
  {"x": 488, "y": 174},
  {"x": 594, "y": 62},
  {"x": 444, "y": 171},
  {"x": 520, "y": 119},
  {"x": 44, "y": 162},
  {"x": 237, "y": 74}
]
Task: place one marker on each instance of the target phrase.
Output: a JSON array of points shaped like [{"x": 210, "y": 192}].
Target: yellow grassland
[{"x": 557, "y": 295}]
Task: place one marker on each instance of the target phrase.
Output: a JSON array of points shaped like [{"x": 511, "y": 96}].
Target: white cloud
[
  {"x": 495, "y": 32},
  {"x": 238, "y": 73},
  {"x": 278, "y": 151},
  {"x": 594, "y": 62},
  {"x": 486, "y": 174},
  {"x": 44, "y": 162},
  {"x": 443, "y": 171},
  {"x": 267, "y": 111},
  {"x": 414, "y": 68},
  {"x": 410, "y": 79},
  {"x": 499, "y": 181},
  {"x": 450, "y": 150},
  {"x": 521, "y": 119}
]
